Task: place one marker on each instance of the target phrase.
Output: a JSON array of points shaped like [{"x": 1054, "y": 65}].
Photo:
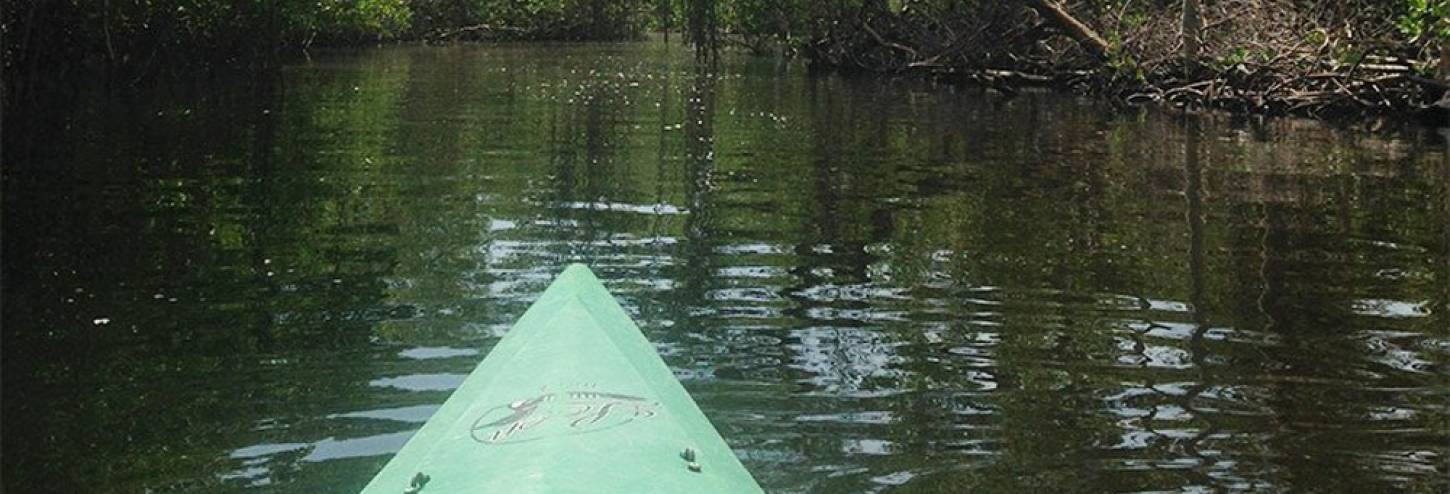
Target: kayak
[{"x": 572, "y": 399}]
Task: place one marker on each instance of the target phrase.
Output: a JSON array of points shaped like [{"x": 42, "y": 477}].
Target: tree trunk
[
  {"x": 1443, "y": 75},
  {"x": 1445, "y": 60},
  {"x": 1084, "y": 35},
  {"x": 1191, "y": 26},
  {"x": 703, "y": 28}
]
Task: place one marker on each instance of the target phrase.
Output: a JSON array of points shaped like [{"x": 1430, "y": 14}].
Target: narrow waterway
[{"x": 869, "y": 285}]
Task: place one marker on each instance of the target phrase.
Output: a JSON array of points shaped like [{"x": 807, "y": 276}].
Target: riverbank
[
  {"x": 1317, "y": 59},
  {"x": 1372, "y": 92},
  {"x": 1268, "y": 58}
]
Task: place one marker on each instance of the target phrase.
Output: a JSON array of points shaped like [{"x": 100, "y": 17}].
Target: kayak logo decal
[{"x": 559, "y": 414}]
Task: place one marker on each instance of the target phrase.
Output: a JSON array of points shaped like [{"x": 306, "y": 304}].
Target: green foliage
[
  {"x": 42, "y": 33},
  {"x": 1123, "y": 65},
  {"x": 133, "y": 33},
  {"x": 384, "y": 18},
  {"x": 1238, "y": 56},
  {"x": 344, "y": 19},
  {"x": 563, "y": 19},
  {"x": 141, "y": 33},
  {"x": 1425, "y": 18},
  {"x": 765, "y": 18},
  {"x": 435, "y": 14}
]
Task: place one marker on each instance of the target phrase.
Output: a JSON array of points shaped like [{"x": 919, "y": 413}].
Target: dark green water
[{"x": 869, "y": 285}]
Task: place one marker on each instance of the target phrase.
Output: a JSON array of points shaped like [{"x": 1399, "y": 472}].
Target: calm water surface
[{"x": 869, "y": 285}]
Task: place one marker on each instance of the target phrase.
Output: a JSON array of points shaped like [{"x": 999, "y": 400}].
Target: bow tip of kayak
[{"x": 577, "y": 270}]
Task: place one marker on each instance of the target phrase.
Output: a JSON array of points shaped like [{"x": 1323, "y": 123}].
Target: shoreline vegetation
[{"x": 1328, "y": 59}]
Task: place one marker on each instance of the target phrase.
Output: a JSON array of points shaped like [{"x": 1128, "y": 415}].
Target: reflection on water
[{"x": 869, "y": 285}]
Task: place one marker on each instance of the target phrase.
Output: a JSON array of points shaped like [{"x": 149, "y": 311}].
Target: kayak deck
[{"x": 572, "y": 399}]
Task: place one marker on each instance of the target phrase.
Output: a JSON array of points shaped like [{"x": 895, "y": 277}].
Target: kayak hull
[{"x": 572, "y": 399}]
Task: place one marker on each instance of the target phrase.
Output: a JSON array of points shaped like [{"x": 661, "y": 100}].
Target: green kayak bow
[{"x": 572, "y": 399}]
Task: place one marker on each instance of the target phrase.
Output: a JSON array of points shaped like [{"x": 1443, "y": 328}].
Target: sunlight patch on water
[
  {"x": 358, "y": 447},
  {"x": 421, "y": 382},
  {"x": 869, "y": 417},
  {"x": 425, "y": 353},
  {"x": 620, "y": 207},
  {"x": 1393, "y": 309},
  {"x": 416, "y": 414}
]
